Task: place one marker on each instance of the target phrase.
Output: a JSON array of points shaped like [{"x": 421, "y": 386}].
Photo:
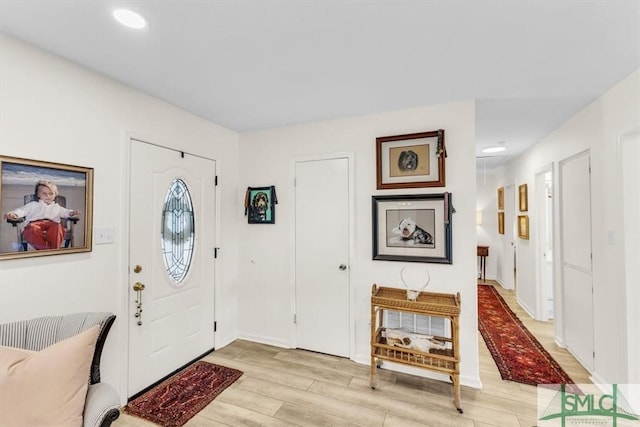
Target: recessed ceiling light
[
  {"x": 129, "y": 18},
  {"x": 494, "y": 149}
]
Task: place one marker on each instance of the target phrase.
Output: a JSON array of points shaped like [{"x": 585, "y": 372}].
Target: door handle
[{"x": 342, "y": 267}]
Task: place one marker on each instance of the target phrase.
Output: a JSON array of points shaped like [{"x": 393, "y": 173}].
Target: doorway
[
  {"x": 323, "y": 229},
  {"x": 544, "y": 243},
  {"x": 509, "y": 248},
  {"x": 171, "y": 261}
]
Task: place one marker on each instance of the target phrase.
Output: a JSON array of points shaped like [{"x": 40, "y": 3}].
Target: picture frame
[
  {"x": 413, "y": 160},
  {"x": 412, "y": 228},
  {"x": 523, "y": 202},
  {"x": 259, "y": 205},
  {"x": 501, "y": 198},
  {"x": 500, "y": 222},
  {"x": 67, "y": 190},
  {"x": 523, "y": 227}
]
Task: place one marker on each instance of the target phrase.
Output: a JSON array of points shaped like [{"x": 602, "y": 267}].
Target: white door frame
[
  {"x": 350, "y": 270},
  {"x": 632, "y": 294},
  {"x": 507, "y": 280},
  {"x": 124, "y": 316},
  {"x": 541, "y": 229}
]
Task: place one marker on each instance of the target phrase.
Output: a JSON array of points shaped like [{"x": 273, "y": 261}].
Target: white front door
[
  {"x": 322, "y": 256},
  {"x": 172, "y": 255},
  {"x": 577, "y": 281}
]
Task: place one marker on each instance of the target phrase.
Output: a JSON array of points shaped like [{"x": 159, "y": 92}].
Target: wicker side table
[{"x": 446, "y": 361}]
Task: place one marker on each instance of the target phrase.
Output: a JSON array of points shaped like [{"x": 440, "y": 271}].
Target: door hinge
[
  {"x": 216, "y": 180},
  {"x": 215, "y": 326},
  {"x": 215, "y": 252},
  {"x": 295, "y": 319}
]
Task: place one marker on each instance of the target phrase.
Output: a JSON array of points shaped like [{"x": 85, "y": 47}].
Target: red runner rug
[
  {"x": 517, "y": 353},
  {"x": 174, "y": 401}
]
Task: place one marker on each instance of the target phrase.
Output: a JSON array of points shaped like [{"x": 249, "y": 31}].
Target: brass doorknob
[{"x": 138, "y": 287}]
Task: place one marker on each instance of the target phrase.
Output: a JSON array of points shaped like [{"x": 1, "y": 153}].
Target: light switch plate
[{"x": 103, "y": 236}]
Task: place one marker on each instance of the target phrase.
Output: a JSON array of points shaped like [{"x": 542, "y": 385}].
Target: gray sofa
[{"x": 102, "y": 405}]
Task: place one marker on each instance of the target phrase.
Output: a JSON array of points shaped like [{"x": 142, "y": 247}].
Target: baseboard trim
[
  {"x": 602, "y": 384},
  {"x": 526, "y": 308},
  {"x": 265, "y": 340}
]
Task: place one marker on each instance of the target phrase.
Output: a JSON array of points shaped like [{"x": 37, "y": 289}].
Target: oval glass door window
[{"x": 178, "y": 233}]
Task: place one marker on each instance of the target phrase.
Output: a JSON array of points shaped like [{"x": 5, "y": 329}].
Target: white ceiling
[{"x": 256, "y": 64}]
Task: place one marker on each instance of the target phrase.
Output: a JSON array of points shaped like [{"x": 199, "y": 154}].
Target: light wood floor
[{"x": 283, "y": 387}]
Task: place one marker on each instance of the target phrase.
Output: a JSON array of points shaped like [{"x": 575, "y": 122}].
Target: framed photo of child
[{"x": 46, "y": 208}]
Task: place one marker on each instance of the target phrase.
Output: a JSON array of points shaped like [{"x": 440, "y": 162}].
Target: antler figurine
[{"x": 412, "y": 295}]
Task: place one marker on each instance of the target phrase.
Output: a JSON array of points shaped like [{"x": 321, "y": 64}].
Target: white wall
[
  {"x": 487, "y": 203},
  {"x": 53, "y": 110},
  {"x": 56, "y": 111},
  {"x": 266, "y": 288},
  {"x": 596, "y": 128}
]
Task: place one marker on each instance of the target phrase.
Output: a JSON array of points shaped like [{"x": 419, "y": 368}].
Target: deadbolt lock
[{"x": 137, "y": 268}]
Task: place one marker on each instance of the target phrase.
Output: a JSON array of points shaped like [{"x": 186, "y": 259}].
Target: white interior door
[
  {"x": 172, "y": 254},
  {"x": 575, "y": 205},
  {"x": 322, "y": 256}
]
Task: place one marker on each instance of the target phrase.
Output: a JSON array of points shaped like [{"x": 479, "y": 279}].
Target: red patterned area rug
[
  {"x": 517, "y": 353},
  {"x": 174, "y": 401}
]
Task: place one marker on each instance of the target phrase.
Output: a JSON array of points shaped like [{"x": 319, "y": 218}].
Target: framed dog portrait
[
  {"x": 47, "y": 208},
  {"x": 411, "y": 161},
  {"x": 259, "y": 205},
  {"x": 414, "y": 228}
]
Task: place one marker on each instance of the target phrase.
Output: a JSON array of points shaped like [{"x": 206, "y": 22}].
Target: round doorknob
[
  {"x": 342, "y": 267},
  {"x": 138, "y": 287}
]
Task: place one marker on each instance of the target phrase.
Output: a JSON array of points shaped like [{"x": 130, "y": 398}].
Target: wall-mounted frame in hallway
[
  {"x": 523, "y": 227},
  {"x": 500, "y": 222},
  {"x": 523, "y": 198},
  {"x": 501, "y": 198}
]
